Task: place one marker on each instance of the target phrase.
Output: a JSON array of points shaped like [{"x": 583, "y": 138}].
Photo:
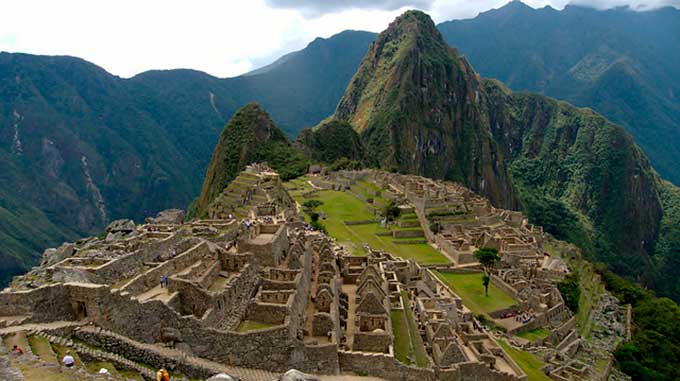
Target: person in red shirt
[{"x": 16, "y": 349}]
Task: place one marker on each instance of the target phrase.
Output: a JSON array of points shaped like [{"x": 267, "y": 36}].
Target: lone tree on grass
[
  {"x": 485, "y": 281},
  {"x": 488, "y": 257}
]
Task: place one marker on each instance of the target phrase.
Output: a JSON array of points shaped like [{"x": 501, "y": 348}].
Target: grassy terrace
[
  {"x": 408, "y": 345},
  {"x": 535, "y": 334},
  {"x": 529, "y": 363},
  {"x": 469, "y": 287},
  {"x": 342, "y": 206},
  {"x": 250, "y": 325}
]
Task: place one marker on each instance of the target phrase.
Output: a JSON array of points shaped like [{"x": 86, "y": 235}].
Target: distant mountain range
[{"x": 80, "y": 147}]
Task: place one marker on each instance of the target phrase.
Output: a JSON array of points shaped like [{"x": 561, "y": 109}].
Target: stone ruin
[{"x": 252, "y": 292}]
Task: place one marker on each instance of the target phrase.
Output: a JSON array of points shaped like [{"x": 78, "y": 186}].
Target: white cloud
[
  {"x": 314, "y": 8},
  {"x": 223, "y": 38}
]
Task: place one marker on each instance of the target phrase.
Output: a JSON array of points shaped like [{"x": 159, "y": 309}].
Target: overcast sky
[{"x": 222, "y": 37}]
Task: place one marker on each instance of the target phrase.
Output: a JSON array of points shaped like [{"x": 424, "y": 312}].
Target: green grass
[
  {"x": 402, "y": 340},
  {"x": 408, "y": 345},
  {"x": 131, "y": 375},
  {"x": 42, "y": 348},
  {"x": 342, "y": 206},
  {"x": 95, "y": 366},
  {"x": 61, "y": 351},
  {"x": 250, "y": 325},
  {"x": 535, "y": 334},
  {"x": 529, "y": 363},
  {"x": 469, "y": 287},
  {"x": 416, "y": 340}
]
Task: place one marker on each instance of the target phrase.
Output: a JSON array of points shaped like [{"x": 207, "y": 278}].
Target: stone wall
[
  {"x": 151, "y": 277},
  {"x": 411, "y": 233},
  {"x": 267, "y": 313},
  {"x": 372, "y": 342},
  {"x": 125, "y": 266},
  {"x": 383, "y": 366},
  {"x": 47, "y": 303},
  {"x": 500, "y": 283}
]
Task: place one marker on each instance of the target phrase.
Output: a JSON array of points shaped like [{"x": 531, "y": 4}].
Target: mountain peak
[{"x": 412, "y": 23}]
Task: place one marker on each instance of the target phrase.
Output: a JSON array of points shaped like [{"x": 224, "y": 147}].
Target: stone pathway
[{"x": 40, "y": 326}]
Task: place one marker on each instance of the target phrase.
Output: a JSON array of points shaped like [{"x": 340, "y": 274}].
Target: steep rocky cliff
[
  {"x": 419, "y": 106},
  {"x": 250, "y": 136}
]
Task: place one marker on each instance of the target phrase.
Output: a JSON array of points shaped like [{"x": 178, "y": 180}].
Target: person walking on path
[{"x": 162, "y": 375}]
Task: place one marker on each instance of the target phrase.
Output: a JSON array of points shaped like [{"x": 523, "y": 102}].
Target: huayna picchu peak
[
  {"x": 420, "y": 107},
  {"x": 434, "y": 225}
]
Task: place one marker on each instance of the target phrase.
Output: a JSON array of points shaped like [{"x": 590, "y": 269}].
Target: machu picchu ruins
[{"x": 253, "y": 292}]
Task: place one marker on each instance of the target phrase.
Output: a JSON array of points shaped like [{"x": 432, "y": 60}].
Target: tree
[
  {"x": 485, "y": 281},
  {"x": 391, "y": 211},
  {"x": 312, "y": 204},
  {"x": 315, "y": 223},
  {"x": 435, "y": 227},
  {"x": 570, "y": 291},
  {"x": 488, "y": 257}
]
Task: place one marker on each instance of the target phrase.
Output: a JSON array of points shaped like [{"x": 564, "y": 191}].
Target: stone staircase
[{"x": 233, "y": 319}]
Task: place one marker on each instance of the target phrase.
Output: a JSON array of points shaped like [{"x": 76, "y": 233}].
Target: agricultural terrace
[
  {"x": 529, "y": 363},
  {"x": 341, "y": 207}
]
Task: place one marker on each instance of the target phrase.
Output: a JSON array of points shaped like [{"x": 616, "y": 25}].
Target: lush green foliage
[
  {"x": 315, "y": 223},
  {"x": 654, "y": 351},
  {"x": 345, "y": 164},
  {"x": 623, "y": 64},
  {"x": 391, "y": 211},
  {"x": 333, "y": 142},
  {"x": 666, "y": 278},
  {"x": 250, "y": 136},
  {"x": 487, "y": 256},
  {"x": 312, "y": 204},
  {"x": 570, "y": 290}
]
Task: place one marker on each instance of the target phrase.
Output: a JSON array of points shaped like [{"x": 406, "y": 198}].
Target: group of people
[
  {"x": 69, "y": 361},
  {"x": 248, "y": 223},
  {"x": 524, "y": 317},
  {"x": 164, "y": 281}
]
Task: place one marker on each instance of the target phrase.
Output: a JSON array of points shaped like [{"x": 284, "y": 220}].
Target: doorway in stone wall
[{"x": 81, "y": 310}]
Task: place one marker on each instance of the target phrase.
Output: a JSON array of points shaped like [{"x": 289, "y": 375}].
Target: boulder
[
  {"x": 167, "y": 217},
  {"x": 121, "y": 226},
  {"x": 52, "y": 256}
]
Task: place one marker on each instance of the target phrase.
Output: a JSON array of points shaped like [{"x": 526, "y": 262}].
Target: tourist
[
  {"x": 162, "y": 281},
  {"x": 68, "y": 360},
  {"x": 17, "y": 350},
  {"x": 162, "y": 375},
  {"x": 104, "y": 372}
]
